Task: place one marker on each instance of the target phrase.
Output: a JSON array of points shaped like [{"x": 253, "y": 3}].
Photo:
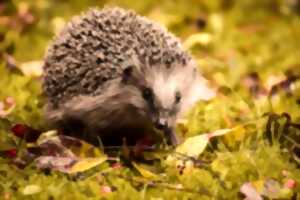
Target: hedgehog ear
[{"x": 127, "y": 73}]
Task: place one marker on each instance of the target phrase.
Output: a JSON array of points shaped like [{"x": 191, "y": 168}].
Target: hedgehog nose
[{"x": 161, "y": 124}]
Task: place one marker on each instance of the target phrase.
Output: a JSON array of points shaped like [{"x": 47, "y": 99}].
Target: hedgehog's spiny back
[{"x": 95, "y": 48}]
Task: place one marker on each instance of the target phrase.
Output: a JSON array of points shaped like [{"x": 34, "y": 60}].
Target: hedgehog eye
[
  {"x": 147, "y": 94},
  {"x": 127, "y": 72},
  {"x": 177, "y": 97}
]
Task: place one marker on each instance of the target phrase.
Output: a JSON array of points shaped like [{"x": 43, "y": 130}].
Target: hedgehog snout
[
  {"x": 165, "y": 122},
  {"x": 161, "y": 123}
]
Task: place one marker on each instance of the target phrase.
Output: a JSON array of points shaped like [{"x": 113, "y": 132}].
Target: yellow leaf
[
  {"x": 31, "y": 189},
  {"x": 44, "y": 137},
  {"x": 145, "y": 173},
  {"x": 32, "y": 68},
  {"x": 194, "y": 146},
  {"x": 86, "y": 164}
]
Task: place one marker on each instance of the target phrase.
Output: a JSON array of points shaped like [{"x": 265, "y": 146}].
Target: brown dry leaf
[
  {"x": 68, "y": 165},
  {"x": 250, "y": 192},
  {"x": 66, "y": 154},
  {"x": 67, "y": 145},
  {"x": 269, "y": 188}
]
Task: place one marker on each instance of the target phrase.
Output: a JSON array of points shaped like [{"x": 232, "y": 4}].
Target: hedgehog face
[
  {"x": 166, "y": 94},
  {"x": 162, "y": 113},
  {"x": 158, "y": 94},
  {"x": 169, "y": 88},
  {"x": 172, "y": 92}
]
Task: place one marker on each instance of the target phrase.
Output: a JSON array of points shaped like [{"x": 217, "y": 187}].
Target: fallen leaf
[
  {"x": 145, "y": 172},
  {"x": 194, "y": 146},
  {"x": 32, "y": 68},
  {"x": 46, "y": 136},
  {"x": 86, "y": 164},
  {"x": 31, "y": 189},
  {"x": 250, "y": 192},
  {"x": 68, "y": 164},
  {"x": 62, "y": 145},
  {"x": 61, "y": 164},
  {"x": 269, "y": 188}
]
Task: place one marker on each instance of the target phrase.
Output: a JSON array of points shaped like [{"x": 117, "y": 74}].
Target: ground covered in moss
[{"x": 242, "y": 144}]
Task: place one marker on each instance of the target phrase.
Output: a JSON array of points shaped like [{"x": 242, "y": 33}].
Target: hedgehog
[{"x": 112, "y": 72}]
